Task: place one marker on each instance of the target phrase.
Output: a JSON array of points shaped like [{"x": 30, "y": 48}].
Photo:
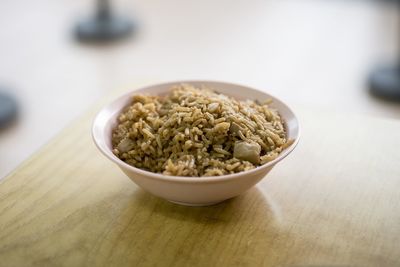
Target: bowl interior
[{"x": 106, "y": 119}]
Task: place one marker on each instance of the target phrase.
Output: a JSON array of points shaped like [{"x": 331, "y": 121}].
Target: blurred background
[{"x": 313, "y": 54}]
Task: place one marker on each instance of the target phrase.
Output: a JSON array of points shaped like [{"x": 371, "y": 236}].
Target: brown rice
[{"x": 197, "y": 132}]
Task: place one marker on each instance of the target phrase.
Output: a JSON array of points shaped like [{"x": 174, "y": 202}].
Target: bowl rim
[{"x": 190, "y": 179}]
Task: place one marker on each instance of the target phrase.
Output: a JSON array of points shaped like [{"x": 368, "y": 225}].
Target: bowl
[{"x": 192, "y": 191}]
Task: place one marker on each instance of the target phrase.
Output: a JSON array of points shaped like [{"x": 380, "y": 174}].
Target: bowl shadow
[{"x": 230, "y": 211}]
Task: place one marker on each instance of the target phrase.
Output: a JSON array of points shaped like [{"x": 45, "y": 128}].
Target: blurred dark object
[
  {"x": 104, "y": 26},
  {"x": 8, "y": 110},
  {"x": 384, "y": 82}
]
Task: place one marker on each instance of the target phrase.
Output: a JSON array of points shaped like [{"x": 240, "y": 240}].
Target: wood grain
[{"x": 334, "y": 201}]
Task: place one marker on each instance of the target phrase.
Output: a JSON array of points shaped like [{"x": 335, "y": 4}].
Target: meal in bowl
[{"x": 198, "y": 132}]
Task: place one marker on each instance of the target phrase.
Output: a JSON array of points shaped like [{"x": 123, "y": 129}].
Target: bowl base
[{"x": 195, "y": 204}]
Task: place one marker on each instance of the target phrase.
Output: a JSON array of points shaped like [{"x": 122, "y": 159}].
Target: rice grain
[{"x": 198, "y": 132}]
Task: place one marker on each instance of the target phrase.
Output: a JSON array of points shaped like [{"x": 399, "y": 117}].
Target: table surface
[{"x": 334, "y": 201}]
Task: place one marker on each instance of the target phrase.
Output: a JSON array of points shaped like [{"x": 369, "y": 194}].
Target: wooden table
[{"x": 334, "y": 201}]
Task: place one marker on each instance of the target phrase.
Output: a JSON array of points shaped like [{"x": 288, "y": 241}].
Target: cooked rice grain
[{"x": 197, "y": 132}]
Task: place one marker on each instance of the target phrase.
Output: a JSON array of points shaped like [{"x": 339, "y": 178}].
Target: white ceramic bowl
[{"x": 194, "y": 191}]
